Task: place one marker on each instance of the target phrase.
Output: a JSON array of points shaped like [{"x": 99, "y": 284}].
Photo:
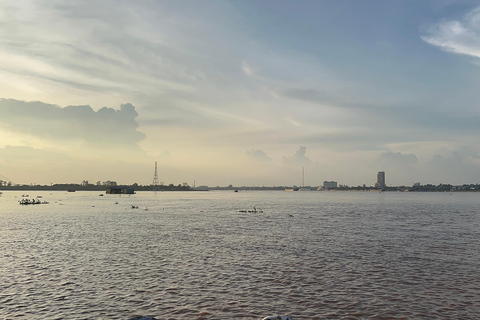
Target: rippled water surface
[{"x": 193, "y": 255}]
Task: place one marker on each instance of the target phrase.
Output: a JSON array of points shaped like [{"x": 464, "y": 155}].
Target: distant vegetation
[
  {"x": 420, "y": 188},
  {"x": 417, "y": 188},
  {"x": 85, "y": 185},
  {"x": 102, "y": 186}
]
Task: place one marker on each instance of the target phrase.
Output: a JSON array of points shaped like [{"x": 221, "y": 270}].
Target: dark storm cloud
[{"x": 104, "y": 127}]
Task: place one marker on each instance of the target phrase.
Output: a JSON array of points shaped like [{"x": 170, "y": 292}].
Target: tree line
[{"x": 86, "y": 186}]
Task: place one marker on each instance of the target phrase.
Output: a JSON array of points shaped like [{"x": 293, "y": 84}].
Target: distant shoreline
[
  {"x": 43, "y": 188},
  {"x": 73, "y": 188}
]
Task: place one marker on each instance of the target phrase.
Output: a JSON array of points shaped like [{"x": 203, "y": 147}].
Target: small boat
[{"x": 31, "y": 201}]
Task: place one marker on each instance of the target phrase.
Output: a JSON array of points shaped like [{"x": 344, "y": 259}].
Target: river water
[{"x": 193, "y": 255}]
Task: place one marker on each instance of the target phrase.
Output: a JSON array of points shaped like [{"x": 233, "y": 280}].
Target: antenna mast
[
  {"x": 155, "y": 176},
  {"x": 303, "y": 176}
]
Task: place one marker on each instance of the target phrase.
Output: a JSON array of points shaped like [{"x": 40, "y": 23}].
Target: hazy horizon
[{"x": 240, "y": 92}]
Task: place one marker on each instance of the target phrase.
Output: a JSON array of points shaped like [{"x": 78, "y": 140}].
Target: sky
[{"x": 240, "y": 92}]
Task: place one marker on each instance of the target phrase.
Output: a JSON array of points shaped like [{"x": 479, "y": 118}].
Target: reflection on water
[{"x": 193, "y": 255}]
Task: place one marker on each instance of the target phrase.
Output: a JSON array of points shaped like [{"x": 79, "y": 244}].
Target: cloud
[
  {"x": 454, "y": 166},
  {"x": 461, "y": 37},
  {"x": 106, "y": 127},
  {"x": 248, "y": 70},
  {"x": 298, "y": 158},
  {"x": 293, "y": 121},
  {"x": 309, "y": 95},
  {"x": 398, "y": 158},
  {"x": 475, "y": 157},
  {"x": 259, "y": 155},
  {"x": 25, "y": 154},
  {"x": 165, "y": 155},
  {"x": 451, "y": 162},
  {"x": 110, "y": 51}
]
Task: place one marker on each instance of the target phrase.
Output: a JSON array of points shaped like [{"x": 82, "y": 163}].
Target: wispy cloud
[
  {"x": 457, "y": 36},
  {"x": 247, "y": 69},
  {"x": 30, "y": 156}
]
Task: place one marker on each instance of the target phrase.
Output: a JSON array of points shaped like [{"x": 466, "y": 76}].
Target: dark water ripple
[{"x": 311, "y": 255}]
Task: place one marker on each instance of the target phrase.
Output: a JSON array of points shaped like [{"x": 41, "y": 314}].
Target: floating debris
[{"x": 254, "y": 210}]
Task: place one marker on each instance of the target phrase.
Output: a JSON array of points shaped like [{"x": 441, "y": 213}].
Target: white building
[{"x": 329, "y": 184}]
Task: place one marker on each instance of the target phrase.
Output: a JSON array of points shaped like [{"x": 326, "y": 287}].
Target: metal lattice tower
[
  {"x": 155, "y": 176},
  {"x": 5, "y": 180}
]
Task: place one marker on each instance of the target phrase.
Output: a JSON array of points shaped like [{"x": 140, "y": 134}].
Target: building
[
  {"x": 380, "y": 180},
  {"x": 330, "y": 185}
]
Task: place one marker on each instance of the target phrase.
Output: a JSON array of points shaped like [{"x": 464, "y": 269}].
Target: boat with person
[{"x": 31, "y": 201}]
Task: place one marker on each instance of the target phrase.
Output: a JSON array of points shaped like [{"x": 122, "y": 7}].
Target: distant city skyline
[
  {"x": 240, "y": 92},
  {"x": 326, "y": 185}
]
